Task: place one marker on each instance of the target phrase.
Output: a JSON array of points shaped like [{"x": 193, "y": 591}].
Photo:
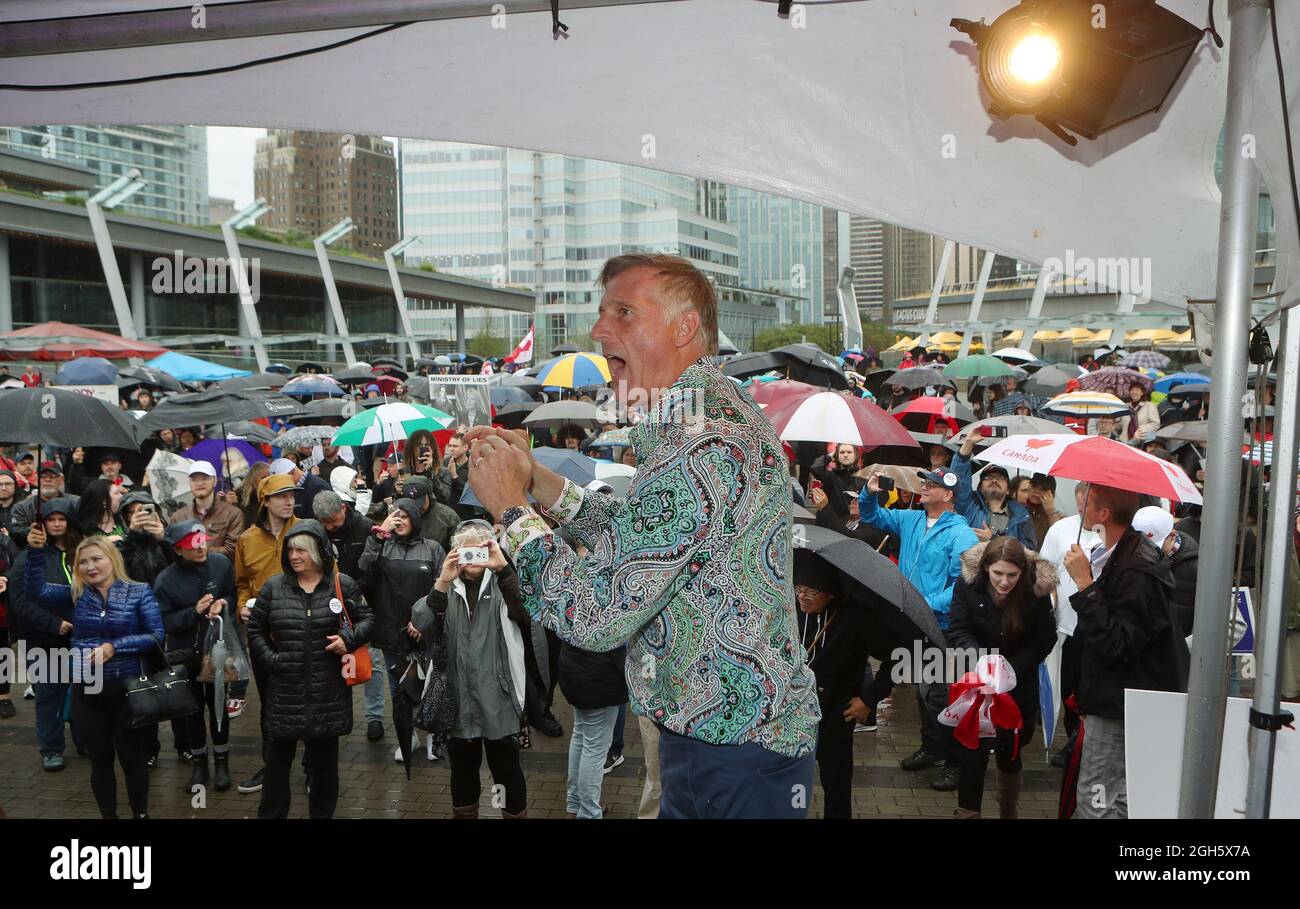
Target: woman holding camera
[
  {"x": 297, "y": 632},
  {"x": 1003, "y": 600},
  {"x": 397, "y": 566},
  {"x": 115, "y": 621},
  {"x": 477, "y": 603}
]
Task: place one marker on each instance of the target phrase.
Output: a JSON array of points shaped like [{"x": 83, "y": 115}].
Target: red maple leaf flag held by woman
[{"x": 981, "y": 703}]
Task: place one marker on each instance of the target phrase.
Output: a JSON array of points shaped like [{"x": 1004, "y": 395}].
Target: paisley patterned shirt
[{"x": 693, "y": 571}]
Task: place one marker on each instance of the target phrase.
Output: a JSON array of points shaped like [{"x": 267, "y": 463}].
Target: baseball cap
[
  {"x": 110, "y": 456},
  {"x": 204, "y": 468},
  {"x": 1154, "y": 523},
  {"x": 995, "y": 468},
  {"x": 51, "y": 467},
  {"x": 417, "y": 488},
  {"x": 940, "y": 477},
  {"x": 27, "y": 456},
  {"x": 186, "y": 535},
  {"x": 282, "y": 466}
]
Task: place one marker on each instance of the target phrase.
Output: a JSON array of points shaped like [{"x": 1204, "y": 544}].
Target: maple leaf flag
[{"x": 524, "y": 352}]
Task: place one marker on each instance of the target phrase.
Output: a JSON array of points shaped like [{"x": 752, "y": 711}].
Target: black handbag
[{"x": 158, "y": 697}]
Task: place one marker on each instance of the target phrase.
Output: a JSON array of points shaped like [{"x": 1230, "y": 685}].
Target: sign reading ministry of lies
[{"x": 467, "y": 398}]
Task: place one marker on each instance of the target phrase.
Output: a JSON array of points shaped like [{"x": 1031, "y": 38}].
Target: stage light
[{"x": 1078, "y": 66}]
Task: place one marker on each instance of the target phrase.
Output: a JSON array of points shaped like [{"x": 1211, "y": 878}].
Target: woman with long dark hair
[
  {"x": 1003, "y": 601},
  {"x": 1144, "y": 417},
  {"x": 98, "y": 512}
]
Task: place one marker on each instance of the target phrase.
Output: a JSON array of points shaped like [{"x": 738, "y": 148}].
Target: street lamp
[
  {"x": 110, "y": 197},
  {"x": 390, "y": 259},
  {"x": 334, "y": 234},
  {"x": 246, "y": 217}
]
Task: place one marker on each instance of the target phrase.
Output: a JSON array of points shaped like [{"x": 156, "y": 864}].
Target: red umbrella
[
  {"x": 1094, "y": 459},
  {"x": 771, "y": 393},
  {"x": 927, "y": 407},
  {"x": 830, "y": 417},
  {"x": 61, "y": 341}
]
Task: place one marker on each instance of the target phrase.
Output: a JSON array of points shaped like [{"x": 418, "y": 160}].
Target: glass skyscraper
[
  {"x": 547, "y": 222},
  {"x": 782, "y": 248},
  {"x": 173, "y": 161}
]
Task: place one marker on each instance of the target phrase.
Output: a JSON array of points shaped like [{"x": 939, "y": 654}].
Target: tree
[
  {"x": 487, "y": 343},
  {"x": 828, "y": 337}
]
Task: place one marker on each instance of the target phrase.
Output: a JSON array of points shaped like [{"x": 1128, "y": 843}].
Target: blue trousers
[{"x": 731, "y": 781}]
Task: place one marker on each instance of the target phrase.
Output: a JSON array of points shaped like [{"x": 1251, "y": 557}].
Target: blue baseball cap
[{"x": 941, "y": 476}]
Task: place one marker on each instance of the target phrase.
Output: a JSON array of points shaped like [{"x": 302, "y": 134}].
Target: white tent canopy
[{"x": 873, "y": 108}]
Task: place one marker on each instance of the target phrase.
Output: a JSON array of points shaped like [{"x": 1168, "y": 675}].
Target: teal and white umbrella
[{"x": 391, "y": 423}]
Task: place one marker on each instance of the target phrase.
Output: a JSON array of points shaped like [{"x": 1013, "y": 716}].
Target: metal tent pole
[
  {"x": 1208, "y": 682},
  {"x": 1273, "y": 598}
]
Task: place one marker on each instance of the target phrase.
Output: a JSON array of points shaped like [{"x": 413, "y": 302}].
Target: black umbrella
[
  {"x": 512, "y": 415},
  {"x": 63, "y": 419},
  {"x": 355, "y": 375},
  {"x": 919, "y": 377},
  {"x": 386, "y": 369},
  {"x": 314, "y": 412},
  {"x": 518, "y": 380},
  {"x": 242, "y": 430},
  {"x": 133, "y": 376},
  {"x": 219, "y": 405},
  {"x": 871, "y": 581},
  {"x": 386, "y": 361},
  {"x": 256, "y": 380},
  {"x": 418, "y": 387},
  {"x": 310, "y": 366},
  {"x": 876, "y": 380},
  {"x": 502, "y": 396},
  {"x": 1050, "y": 381},
  {"x": 564, "y": 349}
]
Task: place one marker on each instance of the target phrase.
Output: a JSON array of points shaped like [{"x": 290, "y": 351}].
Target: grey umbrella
[
  {"x": 256, "y": 380},
  {"x": 558, "y": 413},
  {"x": 1015, "y": 425},
  {"x": 1049, "y": 381},
  {"x": 918, "y": 377},
  {"x": 244, "y": 430},
  {"x": 132, "y": 376},
  {"x": 871, "y": 581},
  {"x": 304, "y": 435}
]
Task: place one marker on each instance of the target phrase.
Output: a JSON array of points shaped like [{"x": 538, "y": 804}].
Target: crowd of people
[{"x": 745, "y": 665}]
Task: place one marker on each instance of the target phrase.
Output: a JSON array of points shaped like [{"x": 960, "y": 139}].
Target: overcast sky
[{"x": 230, "y": 162}]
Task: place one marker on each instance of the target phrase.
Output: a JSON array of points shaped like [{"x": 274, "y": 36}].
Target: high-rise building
[
  {"x": 783, "y": 248},
  {"x": 867, "y": 258},
  {"x": 912, "y": 261},
  {"x": 172, "y": 160},
  {"x": 313, "y": 180},
  {"x": 549, "y": 222}
]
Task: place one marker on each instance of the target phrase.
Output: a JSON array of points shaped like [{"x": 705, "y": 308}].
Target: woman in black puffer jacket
[
  {"x": 1003, "y": 600},
  {"x": 296, "y": 631},
  {"x": 594, "y": 684}
]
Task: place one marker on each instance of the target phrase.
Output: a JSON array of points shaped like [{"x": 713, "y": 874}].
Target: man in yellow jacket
[{"x": 257, "y": 560}]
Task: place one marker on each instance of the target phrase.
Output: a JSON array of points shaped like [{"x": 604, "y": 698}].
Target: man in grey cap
[{"x": 51, "y": 487}]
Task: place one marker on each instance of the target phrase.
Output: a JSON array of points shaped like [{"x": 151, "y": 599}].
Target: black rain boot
[
  {"x": 198, "y": 773},
  {"x": 221, "y": 780}
]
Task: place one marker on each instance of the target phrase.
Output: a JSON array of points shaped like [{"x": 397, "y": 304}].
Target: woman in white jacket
[
  {"x": 343, "y": 480},
  {"x": 1141, "y": 424}
]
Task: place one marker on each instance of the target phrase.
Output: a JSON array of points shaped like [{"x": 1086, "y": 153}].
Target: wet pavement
[{"x": 372, "y": 785}]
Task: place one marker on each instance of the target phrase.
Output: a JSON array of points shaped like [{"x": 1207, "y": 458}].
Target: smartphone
[
  {"x": 147, "y": 509},
  {"x": 426, "y": 451},
  {"x": 885, "y": 484},
  {"x": 474, "y": 555},
  {"x": 994, "y": 432},
  {"x": 814, "y": 485}
]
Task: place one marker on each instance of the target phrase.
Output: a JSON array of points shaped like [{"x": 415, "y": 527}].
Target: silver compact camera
[{"x": 474, "y": 555}]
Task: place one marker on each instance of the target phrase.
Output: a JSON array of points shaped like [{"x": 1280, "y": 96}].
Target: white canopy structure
[{"x": 871, "y": 107}]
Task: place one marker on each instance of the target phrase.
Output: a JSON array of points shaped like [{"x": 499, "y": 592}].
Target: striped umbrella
[
  {"x": 1145, "y": 359},
  {"x": 575, "y": 370},
  {"x": 1008, "y": 405},
  {"x": 390, "y": 423},
  {"x": 831, "y": 417},
  {"x": 1114, "y": 379},
  {"x": 1085, "y": 404},
  {"x": 1260, "y": 454}
]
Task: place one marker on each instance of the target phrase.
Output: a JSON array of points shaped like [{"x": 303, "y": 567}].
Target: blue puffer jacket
[
  {"x": 970, "y": 504},
  {"x": 929, "y": 558},
  {"x": 129, "y": 620}
]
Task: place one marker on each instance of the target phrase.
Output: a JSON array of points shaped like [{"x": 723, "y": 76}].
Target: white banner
[{"x": 109, "y": 393}]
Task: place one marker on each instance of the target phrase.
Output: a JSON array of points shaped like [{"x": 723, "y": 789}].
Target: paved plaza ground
[{"x": 374, "y": 786}]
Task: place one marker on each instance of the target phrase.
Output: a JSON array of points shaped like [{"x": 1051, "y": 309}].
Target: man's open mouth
[{"x": 616, "y": 366}]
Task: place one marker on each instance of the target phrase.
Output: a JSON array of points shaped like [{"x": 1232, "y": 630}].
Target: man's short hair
[
  {"x": 1121, "y": 503},
  {"x": 680, "y": 284},
  {"x": 326, "y": 505},
  {"x": 1043, "y": 482}
]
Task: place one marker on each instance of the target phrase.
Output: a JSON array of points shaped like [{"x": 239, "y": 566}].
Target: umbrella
[
  {"x": 562, "y": 349},
  {"x": 1049, "y": 381},
  {"x": 390, "y": 423},
  {"x": 132, "y": 376},
  {"x": 1007, "y": 406},
  {"x": 927, "y": 411},
  {"x": 870, "y": 581},
  {"x": 516, "y": 380},
  {"x": 904, "y": 478},
  {"x": 229, "y": 457},
  {"x": 979, "y": 366},
  {"x": 1016, "y": 373},
  {"x": 192, "y": 369},
  {"x": 309, "y": 367},
  {"x": 282, "y": 369},
  {"x": 614, "y": 438},
  {"x": 618, "y": 476},
  {"x": 801, "y": 362},
  {"x": 1014, "y": 353},
  {"x": 575, "y": 370},
  {"x": 1197, "y": 388},
  {"x": 1085, "y": 404},
  {"x": 63, "y": 419},
  {"x": 512, "y": 415},
  {"x": 442, "y": 360},
  {"x": 391, "y": 371},
  {"x": 86, "y": 371},
  {"x": 242, "y": 430},
  {"x": 780, "y": 391},
  {"x": 831, "y": 417},
  {"x": 1015, "y": 426},
  {"x": 1173, "y": 380},
  {"x": 61, "y": 341},
  {"x": 355, "y": 375},
  {"x": 501, "y": 396},
  {"x": 1260, "y": 453},
  {"x": 304, "y": 435},
  {"x": 918, "y": 377},
  {"x": 308, "y": 386},
  {"x": 218, "y": 405},
  {"x": 325, "y": 408},
  {"x": 1093, "y": 459},
  {"x": 256, "y": 380},
  {"x": 1114, "y": 379},
  {"x": 1145, "y": 359},
  {"x": 567, "y": 463},
  {"x": 557, "y": 413},
  {"x": 1186, "y": 431}
]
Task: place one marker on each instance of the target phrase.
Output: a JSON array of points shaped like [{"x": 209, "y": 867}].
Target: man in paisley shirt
[{"x": 693, "y": 570}]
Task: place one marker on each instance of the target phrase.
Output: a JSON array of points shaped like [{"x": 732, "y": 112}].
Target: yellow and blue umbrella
[{"x": 576, "y": 370}]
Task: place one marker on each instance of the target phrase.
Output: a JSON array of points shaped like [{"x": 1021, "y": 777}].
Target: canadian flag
[
  {"x": 524, "y": 352},
  {"x": 487, "y": 368}
]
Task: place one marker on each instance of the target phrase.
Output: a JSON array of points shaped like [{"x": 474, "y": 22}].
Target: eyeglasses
[{"x": 806, "y": 593}]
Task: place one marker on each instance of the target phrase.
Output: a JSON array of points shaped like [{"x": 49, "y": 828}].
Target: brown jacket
[
  {"x": 223, "y": 522},
  {"x": 257, "y": 559}
]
